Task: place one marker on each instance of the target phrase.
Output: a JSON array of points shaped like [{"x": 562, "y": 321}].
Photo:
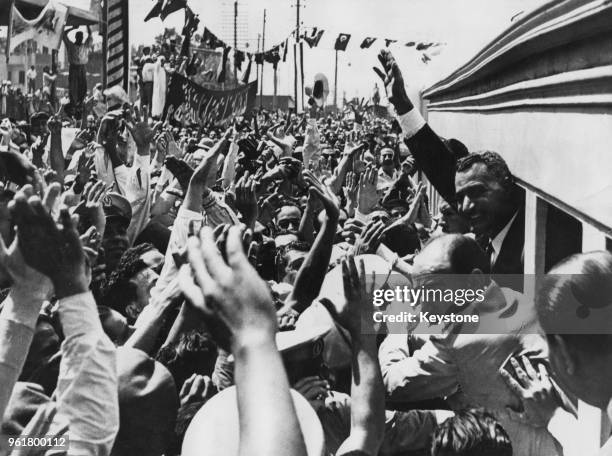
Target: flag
[
  {"x": 117, "y": 43},
  {"x": 317, "y": 38},
  {"x": 210, "y": 40},
  {"x": 410, "y": 43},
  {"x": 388, "y": 42},
  {"x": 366, "y": 43},
  {"x": 342, "y": 41},
  {"x": 285, "y": 46},
  {"x": 423, "y": 46},
  {"x": 272, "y": 56},
  {"x": 223, "y": 65},
  {"x": 191, "y": 25},
  {"x": 247, "y": 73},
  {"x": 259, "y": 58},
  {"x": 192, "y": 21},
  {"x": 171, "y": 6},
  {"x": 238, "y": 59},
  {"x": 46, "y": 29},
  {"x": 155, "y": 12},
  {"x": 314, "y": 38}
]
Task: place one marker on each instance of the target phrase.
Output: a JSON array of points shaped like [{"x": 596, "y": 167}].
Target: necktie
[{"x": 490, "y": 251}]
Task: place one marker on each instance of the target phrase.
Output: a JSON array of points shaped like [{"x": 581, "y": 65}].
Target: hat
[
  {"x": 116, "y": 205},
  {"x": 206, "y": 144},
  {"x": 148, "y": 404},
  {"x": 215, "y": 429},
  {"x": 116, "y": 95},
  {"x": 337, "y": 351},
  {"x": 303, "y": 334}
]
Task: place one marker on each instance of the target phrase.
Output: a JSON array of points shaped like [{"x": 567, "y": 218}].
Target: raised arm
[
  {"x": 430, "y": 154},
  {"x": 87, "y": 385},
  {"x": 312, "y": 272},
  {"x": 21, "y": 308},
  {"x": 228, "y": 292},
  {"x": 367, "y": 389}
]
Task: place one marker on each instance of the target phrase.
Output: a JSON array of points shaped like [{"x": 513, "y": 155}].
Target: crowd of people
[{"x": 180, "y": 289}]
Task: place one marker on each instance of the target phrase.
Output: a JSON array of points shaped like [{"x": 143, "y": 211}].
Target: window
[
  {"x": 45, "y": 50},
  {"x": 563, "y": 236},
  {"x": 22, "y": 77}
]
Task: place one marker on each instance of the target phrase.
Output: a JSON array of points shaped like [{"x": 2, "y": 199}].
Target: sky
[{"x": 464, "y": 25}]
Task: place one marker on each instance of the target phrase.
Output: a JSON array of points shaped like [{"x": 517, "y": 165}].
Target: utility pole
[
  {"x": 257, "y": 66},
  {"x": 336, "y": 83},
  {"x": 263, "y": 47},
  {"x": 235, "y": 40},
  {"x": 295, "y": 51}
]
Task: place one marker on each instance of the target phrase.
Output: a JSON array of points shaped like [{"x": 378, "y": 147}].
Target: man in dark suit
[{"x": 480, "y": 185}]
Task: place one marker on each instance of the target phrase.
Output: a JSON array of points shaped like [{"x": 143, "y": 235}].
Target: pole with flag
[
  {"x": 10, "y": 32},
  {"x": 295, "y": 51},
  {"x": 336, "y": 82},
  {"x": 235, "y": 39},
  {"x": 263, "y": 46}
]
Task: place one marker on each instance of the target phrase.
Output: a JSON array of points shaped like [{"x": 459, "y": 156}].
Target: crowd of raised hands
[{"x": 178, "y": 255}]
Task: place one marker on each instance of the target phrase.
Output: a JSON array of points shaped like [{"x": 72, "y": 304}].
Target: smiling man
[{"x": 479, "y": 185}]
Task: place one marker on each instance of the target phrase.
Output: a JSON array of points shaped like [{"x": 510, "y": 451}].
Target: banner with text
[{"x": 193, "y": 104}]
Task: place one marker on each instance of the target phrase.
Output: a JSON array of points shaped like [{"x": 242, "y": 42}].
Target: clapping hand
[
  {"x": 230, "y": 291},
  {"x": 51, "y": 249},
  {"x": 25, "y": 277}
]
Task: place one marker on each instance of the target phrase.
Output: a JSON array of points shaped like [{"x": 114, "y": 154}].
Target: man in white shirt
[
  {"x": 78, "y": 57},
  {"x": 148, "y": 72},
  {"x": 31, "y": 79}
]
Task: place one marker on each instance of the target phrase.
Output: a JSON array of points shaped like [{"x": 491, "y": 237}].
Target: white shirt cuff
[
  {"x": 411, "y": 122},
  {"x": 79, "y": 315}
]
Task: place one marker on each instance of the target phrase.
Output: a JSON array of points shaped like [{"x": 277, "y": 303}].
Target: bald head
[{"x": 451, "y": 254}]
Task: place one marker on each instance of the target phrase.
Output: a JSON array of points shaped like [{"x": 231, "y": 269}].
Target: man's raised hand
[
  {"x": 51, "y": 249},
  {"x": 393, "y": 82}
]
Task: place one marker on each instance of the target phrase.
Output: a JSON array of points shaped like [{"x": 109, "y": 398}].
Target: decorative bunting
[
  {"x": 171, "y": 6},
  {"x": 285, "y": 46},
  {"x": 314, "y": 38},
  {"x": 247, "y": 72},
  {"x": 423, "y": 46},
  {"x": 238, "y": 59},
  {"x": 367, "y": 42},
  {"x": 156, "y": 11},
  {"x": 342, "y": 42},
  {"x": 210, "y": 40},
  {"x": 223, "y": 65}
]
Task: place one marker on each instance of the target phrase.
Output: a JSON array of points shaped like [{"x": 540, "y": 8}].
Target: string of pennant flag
[{"x": 277, "y": 53}]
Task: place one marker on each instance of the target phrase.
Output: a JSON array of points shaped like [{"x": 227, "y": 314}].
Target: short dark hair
[
  {"x": 495, "y": 164},
  {"x": 194, "y": 353},
  {"x": 118, "y": 291},
  {"x": 566, "y": 296},
  {"x": 471, "y": 433}
]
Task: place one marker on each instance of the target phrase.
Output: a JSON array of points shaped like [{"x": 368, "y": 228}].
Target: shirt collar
[{"x": 498, "y": 240}]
